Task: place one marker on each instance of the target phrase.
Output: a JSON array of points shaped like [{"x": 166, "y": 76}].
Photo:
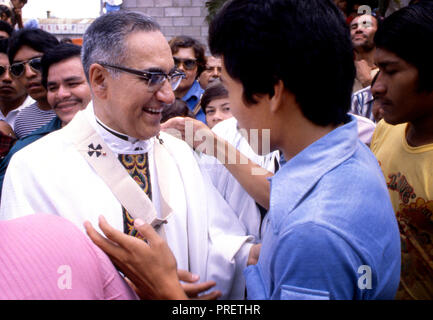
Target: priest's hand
[
  {"x": 150, "y": 266},
  {"x": 193, "y": 289}
]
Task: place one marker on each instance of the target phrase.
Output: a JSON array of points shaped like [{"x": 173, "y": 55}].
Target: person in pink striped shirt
[{"x": 46, "y": 257}]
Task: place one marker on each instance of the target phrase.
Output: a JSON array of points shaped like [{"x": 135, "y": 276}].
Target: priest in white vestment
[
  {"x": 232, "y": 191},
  {"x": 132, "y": 76}
]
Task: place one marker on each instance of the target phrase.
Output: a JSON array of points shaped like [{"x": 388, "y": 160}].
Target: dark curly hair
[{"x": 187, "y": 42}]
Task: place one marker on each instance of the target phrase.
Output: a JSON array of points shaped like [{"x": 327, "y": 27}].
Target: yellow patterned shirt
[{"x": 409, "y": 175}]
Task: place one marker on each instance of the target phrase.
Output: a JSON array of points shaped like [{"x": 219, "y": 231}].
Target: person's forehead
[
  {"x": 25, "y": 53},
  {"x": 218, "y": 102},
  {"x": 212, "y": 61},
  {"x": 66, "y": 68},
  {"x": 364, "y": 19},
  {"x": 383, "y": 57},
  {"x": 185, "y": 53},
  {"x": 148, "y": 50},
  {"x": 4, "y": 61}
]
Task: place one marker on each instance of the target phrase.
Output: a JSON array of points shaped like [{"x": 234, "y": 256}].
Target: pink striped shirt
[{"x": 45, "y": 257}]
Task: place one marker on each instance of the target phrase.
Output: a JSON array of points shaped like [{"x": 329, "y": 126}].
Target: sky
[{"x": 62, "y": 8}]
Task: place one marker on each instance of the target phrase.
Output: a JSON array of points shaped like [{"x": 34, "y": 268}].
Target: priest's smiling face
[{"x": 128, "y": 104}]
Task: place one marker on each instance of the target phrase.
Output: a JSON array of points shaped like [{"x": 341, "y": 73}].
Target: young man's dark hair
[
  {"x": 317, "y": 67},
  {"x": 6, "y": 27},
  {"x": 4, "y": 45},
  {"x": 60, "y": 53},
  {"x": 37, "y": 39},
  {"x": 188, "y": 42},
  {"x": 178, "y": 109},
  {"x": 408, "y": 33},
  {"x": 213, "y": 91}
]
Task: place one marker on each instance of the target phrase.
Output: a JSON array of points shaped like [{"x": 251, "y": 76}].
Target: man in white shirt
[
  {"x": 132, "y": 77},
  {"x": 26, "y": 47},
  {"x": 13, "y": 95}
]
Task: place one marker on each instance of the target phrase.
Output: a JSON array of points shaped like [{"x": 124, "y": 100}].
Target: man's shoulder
[
  {"x": 42, "y": 146},
  {"x": 173, "y": 144},
  {"x": 384, "y": 131},
  {"x": 355, "y": 189},
  {"x": 26, "y": 111}
]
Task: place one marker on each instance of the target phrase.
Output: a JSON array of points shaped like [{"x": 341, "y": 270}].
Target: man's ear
[
  {"x": 98, "y": 77},
  {"x": 278, "y": 99}
]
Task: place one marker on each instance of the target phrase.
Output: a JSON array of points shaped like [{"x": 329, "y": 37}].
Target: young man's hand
[{"x": 149, "y": 266}]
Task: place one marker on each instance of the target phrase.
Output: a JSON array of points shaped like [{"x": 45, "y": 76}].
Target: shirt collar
[
  {"x": 118, "y": 142},
  {"x": 195, "y": 91},
  {"x": 28, "y": 101},
  {"x": 301, "y": 173},
  {"x": 369, "y": 95}
]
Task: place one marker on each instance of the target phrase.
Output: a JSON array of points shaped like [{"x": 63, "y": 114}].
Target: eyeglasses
[
  {"x": 17, "y": 69},
  {"x": 3, "y": 70},
  {"x": 155, "y": 80},
  {"x": 189, "y": 64}
]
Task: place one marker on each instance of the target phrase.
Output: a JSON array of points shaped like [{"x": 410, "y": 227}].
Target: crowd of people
[{"x": 288, "y": 159}]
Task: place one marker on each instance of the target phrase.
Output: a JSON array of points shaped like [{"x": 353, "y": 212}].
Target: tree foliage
[{"x": 213, "y": 6}]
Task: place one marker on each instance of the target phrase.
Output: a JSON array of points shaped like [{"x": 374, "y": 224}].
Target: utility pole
[{"x": 101, "y": 6}]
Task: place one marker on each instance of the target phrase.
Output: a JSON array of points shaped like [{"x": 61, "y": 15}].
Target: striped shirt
[
  {"x": 30, "y": 119},
  {"x": 362, "y": 103},
  {"x": 46, "y": 257}
]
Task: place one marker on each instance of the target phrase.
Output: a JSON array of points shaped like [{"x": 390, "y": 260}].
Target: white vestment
[
  {"x": 50, "y": 176},
  {"x": 239, "y": 200}
]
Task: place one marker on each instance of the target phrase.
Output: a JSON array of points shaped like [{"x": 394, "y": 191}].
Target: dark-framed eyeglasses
[
  {"x": 17, "y": 69},
  {"x": 189, "y": 64},
  {"x": 3, "y": 70},
  {"x": 155, "y": 79}
]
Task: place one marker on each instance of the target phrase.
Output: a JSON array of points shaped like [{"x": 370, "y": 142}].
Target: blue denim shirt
[
  {"x": 192, "y": 97},
  {"x": 332, "y": 232}
]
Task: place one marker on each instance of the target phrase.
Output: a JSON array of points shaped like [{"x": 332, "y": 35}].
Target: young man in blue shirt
[{"x": 331, "y": 231}]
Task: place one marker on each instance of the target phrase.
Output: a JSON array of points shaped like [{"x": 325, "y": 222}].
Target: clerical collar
[
  {"x": 119, "y": 142},
  {"x": 115, "y": 133}
]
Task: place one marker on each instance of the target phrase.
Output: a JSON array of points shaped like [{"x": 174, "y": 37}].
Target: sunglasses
[
  {"x": 154, "y": 80},
  {"x": 189, "y": 64},
  {"x": 3, "y": 70},
  {"x": 17, "y": 69}
]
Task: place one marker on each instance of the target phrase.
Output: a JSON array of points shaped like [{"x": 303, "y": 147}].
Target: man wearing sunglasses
[
  {"x": 67, "y": 92},
  {"x": 25, "y": 52},
  {"x": 13, "y": 95},
  {"x": 112, "y": 159},
  {"x": 189, "y": 56}
]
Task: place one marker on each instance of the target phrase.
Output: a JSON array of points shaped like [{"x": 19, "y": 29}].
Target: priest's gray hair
[{"x": 104, "y": 40}]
